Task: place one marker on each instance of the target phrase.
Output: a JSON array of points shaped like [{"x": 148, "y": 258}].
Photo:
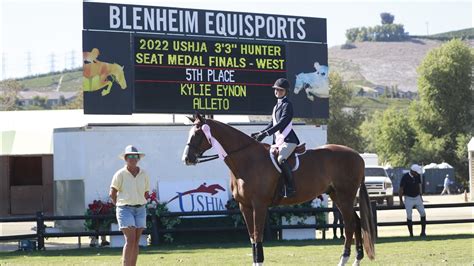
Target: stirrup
[{"x": 285, "y": 192}]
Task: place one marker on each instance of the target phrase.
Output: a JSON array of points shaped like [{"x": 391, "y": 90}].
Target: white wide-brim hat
[
  {"x": 130, "y": 149},
  {"x": 416, "y": 168}
]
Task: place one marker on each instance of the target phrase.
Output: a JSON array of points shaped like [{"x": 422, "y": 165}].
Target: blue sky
[{"x": 38, "y": 29}]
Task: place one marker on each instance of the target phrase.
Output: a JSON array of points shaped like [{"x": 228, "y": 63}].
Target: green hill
[
  {"x": 461, "y": 34},
  {"x": 71, "y": 81}
]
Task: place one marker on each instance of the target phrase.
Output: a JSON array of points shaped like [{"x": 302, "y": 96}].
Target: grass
[
  {"x": 433, "y": 250},
  {"x": 370, "y": 105},
  {"x": 72, "y": 81},
  {"x": 463, "y": 34}
]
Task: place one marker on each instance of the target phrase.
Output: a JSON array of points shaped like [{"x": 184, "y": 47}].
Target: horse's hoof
[
  {"x": 343, "y": 261},
  {"x": 356, "y": 263}
]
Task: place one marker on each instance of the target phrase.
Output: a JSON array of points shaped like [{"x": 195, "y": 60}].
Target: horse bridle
[{"x": 206, "y": 158}]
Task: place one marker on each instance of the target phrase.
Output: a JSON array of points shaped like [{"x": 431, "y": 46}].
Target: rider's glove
[{"x": 259, "y": 136}]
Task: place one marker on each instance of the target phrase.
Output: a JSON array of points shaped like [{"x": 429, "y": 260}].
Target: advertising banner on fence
[
  {"x": 143, "y": 59},
  {"x": 194, "y": 196}
]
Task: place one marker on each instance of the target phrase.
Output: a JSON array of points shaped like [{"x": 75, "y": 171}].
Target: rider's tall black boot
[
  {"x": 289, "y": 181},
  {"x": 423, "y": 226},
  {"x": 410, "y": 227}
]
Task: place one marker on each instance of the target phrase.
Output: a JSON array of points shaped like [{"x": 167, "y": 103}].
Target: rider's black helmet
[{"x": 282, "y": 83}]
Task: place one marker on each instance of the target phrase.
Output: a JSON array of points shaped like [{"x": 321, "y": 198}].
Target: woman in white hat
[{"x": 128, "y": 191}]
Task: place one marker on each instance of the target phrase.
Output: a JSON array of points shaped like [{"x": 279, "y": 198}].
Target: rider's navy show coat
[{"x": 284, "y": 115}]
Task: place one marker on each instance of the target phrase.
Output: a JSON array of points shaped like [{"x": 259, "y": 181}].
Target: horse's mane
[{"x": 231, "y": 128}]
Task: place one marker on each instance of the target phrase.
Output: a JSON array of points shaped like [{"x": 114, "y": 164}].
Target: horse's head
[
  {"x": 323, "y": 71},
  {"x": 299, "y": 84},
  {"x": 117, "y": 71},
  {"x": 197, "y": 141}
]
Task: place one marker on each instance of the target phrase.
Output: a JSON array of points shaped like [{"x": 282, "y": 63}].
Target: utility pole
[
  {"x": 427, "y": 28},
  {"x": 472, "y": 77},
  {"x": 73, "y": 59},
  {"x": 4, "y": 66},
  {"x": 28, "y": 63},
  {"x": 52, "y": 61}
]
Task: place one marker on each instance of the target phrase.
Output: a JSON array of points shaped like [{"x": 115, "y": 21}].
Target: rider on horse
[{"x": 284, "y": 138}]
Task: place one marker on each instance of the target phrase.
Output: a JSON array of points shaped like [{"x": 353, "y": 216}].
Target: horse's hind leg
[
  {"x": 347, "y": 211},
  {"x": 309, "y": 94},
  {"x": 346, "y": 207},
  {"x": 358, "y": 240}
]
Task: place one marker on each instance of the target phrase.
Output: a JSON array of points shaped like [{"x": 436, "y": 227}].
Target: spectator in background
[
  {"x": 447, "y": 183},
  {"x": 337, "y": 221},
  {"x": 410, "y": 187}
]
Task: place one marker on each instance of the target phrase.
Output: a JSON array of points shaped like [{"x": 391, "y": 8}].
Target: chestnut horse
[{"x": 334, "y": 169}]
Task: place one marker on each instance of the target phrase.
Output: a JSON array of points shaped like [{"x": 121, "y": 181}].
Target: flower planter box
[
  {"x": 119, "y": 241},
  {"x": 298, "y": 234}
]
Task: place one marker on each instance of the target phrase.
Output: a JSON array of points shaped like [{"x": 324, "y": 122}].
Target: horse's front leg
[
  {"x": 309, "y": 94},
  {"x": 259, "y": 216},
  {"x": 107, "y": 91},
  {"x": 247, "y": 212}
]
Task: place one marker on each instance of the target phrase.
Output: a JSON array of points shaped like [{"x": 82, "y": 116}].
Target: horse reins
[{"x": 207, "y": 158}]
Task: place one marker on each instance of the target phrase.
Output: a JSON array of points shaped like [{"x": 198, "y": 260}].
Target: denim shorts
[{"x": 131, "y": 217}]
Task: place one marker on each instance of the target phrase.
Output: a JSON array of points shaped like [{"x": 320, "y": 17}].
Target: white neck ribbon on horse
[{"x": 214, "y": 143}]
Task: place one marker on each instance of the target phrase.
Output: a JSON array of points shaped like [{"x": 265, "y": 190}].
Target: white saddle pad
[{"x": 275, "y": 163}]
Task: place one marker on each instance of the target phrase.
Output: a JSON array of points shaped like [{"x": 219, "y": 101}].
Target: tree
[
  {"x": 344, "y": 122},
  {"x": 40, "y": 102},
  {"x": 370, "y": 130},
  {"x": 9, "y": 94},
  {"x": 462, "y": 162},
  {"x": 77, "y": 103},
  {"x": 62, "y": 100},
  {"x": 390, "y": 135},
  {"x": 443, "y": 117},
  {"x": 444, "y": 86},
  {"x": 387, "y": 18},
  {"x": 380, "y": 33}
]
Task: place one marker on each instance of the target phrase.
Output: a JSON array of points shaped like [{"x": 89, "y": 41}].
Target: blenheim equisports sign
[{"x": 143, "y": 59}]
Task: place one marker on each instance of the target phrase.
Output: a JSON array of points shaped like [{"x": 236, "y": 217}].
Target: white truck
[
  {"x": 379, "y": 186},
  {"x": 378, "y": 183}
]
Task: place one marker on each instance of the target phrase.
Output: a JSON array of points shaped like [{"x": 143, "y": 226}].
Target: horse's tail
[{"x": 367, "y": 222}]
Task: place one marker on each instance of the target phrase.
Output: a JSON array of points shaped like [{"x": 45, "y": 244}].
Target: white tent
[{"x": 443, "y": 165}]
